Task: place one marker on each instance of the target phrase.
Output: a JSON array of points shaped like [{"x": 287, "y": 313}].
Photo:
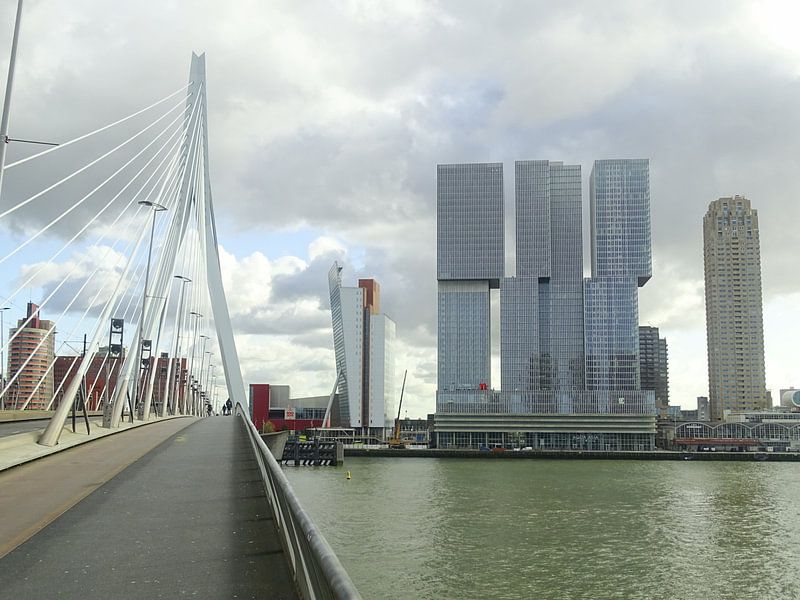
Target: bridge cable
[
  {"x": 91, "y": 133},
  {"x": 80, "y": 263},
  {"x": 96, "y": 188},
  {"x": 53, "y": 326},
  {"x": 90, "y": 164},
  {"x": 98, "y": 241},
  {"x": 91, "y": 304}
]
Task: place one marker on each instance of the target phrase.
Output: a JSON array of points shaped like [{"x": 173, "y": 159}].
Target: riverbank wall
[{"x": 574, "y": 454}]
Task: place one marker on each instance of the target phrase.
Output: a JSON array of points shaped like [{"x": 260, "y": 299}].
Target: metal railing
[{"x": 315, "y": 568}]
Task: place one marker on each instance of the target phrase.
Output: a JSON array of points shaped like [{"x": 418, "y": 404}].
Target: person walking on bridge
[{"x": 228, "y": 406}]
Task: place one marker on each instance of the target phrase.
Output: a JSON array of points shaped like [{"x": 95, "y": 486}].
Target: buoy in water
[{"x": 348, "y": 474}]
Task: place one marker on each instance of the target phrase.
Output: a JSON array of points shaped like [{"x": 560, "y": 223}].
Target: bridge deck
[{"x": 188, "y": 519}]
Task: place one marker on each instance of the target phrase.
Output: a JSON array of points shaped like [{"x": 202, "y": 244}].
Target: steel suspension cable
[
  {"x": 101, "y": 238},
  {"x": 75, "y": 268},
  {"x": 83, "y": 259},
  {"x": 90, "y": 164},
  {"x": 63, "y": 145},
  {"x": 96, "y": 188},
  {"x": 52, "y": 328},
  {"x": 75, "y": 328}
]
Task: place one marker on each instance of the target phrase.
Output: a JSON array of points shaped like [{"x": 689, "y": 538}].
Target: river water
[{"x": 567, "y": 529}]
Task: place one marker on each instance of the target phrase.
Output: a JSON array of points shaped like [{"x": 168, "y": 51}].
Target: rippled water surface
[{"x": 455, "y": 528}]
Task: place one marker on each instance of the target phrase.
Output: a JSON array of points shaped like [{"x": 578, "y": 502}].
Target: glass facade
[
  {"x": 611, "y": 321},
  {"x": 568, "y": 345},
  {"x": 335, "y": 288},
  {"x": 542, "y": 308},
  {"x": 532, "y": 198},
  {"x": 469, "y": 222},
  {"x": 546, "y": 402},
  {"x": 536, "y": 440},
  {"x": 653, "y": 366},
  {"x": 619, "y": 192},
  {"x": 519, "y": 334},
  {"x": 619, "y": 206},
  {"x": 464, "y": 350},
  {"x": 470, "y": 258}
]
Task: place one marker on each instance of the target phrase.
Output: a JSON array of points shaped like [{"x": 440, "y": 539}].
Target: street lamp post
[
  {"x": 157, "y": 208},
  {"x": 198, "y": 316},
  {"x": 213, "y": 390},
  {"x": 200, "y": 373},
  {"x": 2, "y": 357},
  {"x": 208, "y": 377},
  {"x": 175, "y": 354}
]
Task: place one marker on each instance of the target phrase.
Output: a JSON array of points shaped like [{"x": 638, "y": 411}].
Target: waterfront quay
[{"x": 572, "y": 454}]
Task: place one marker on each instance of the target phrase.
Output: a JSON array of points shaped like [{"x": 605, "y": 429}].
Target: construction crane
[{"x": 395, "y": 441}]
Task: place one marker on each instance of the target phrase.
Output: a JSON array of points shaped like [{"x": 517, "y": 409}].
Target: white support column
[
  {"x": 216, "y": 291},
  {"x": 12, "y": 63}
]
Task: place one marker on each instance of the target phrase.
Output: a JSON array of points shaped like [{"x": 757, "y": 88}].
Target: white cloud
[{"x": 332, "y": 116}]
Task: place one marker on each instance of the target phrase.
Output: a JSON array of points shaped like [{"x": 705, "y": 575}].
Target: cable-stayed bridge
[{"x": 130, "y": 334}]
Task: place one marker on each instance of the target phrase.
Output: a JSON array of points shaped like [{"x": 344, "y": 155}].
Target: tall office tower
[
  {"x": 569, "y": 347},
  {"x": 542, "y": 307},
  {"x": 470, "y": 260},
  {"x": 31, "y": 351},
  {"x": 734, "y": 324},
  {"x": 619, "y": 206},
  {"x": 653, "y": 366},
  {"x": 363, "y": 340}
]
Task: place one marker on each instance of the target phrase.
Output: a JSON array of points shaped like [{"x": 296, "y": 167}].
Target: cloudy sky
[{"x": 327, "y": 120}]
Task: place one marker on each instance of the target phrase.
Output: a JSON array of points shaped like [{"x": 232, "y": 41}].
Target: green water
[{"x": 456, "y": 528}]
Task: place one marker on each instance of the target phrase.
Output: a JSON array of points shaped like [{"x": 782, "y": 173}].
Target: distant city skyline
[{"x": 323, "y": 152}]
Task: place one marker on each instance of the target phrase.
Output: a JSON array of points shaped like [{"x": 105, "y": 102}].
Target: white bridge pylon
[{"x": 190, "y": 234}]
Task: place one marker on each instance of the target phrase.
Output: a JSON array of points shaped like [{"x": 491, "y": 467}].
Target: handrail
[{"x": 315, "y": 568}]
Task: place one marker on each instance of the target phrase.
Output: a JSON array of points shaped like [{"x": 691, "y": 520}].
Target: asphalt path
[
  {"x": 188, "y": 519},
  {"x": 14, "y": 427},
  {"x": 32, "y": 495}
]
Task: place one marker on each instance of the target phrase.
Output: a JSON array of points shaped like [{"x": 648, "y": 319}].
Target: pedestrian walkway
[
  {"x": 189, "y": 519},
  {"x": 34, "y": 494}
]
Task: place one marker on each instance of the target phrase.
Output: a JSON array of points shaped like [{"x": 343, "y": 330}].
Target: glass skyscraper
[
  {"x": 542, "y": 307},
  {"x": 619, "y": 205},
  {"x": 568, "y": 345},
  {"x": 470, "y": 258}
]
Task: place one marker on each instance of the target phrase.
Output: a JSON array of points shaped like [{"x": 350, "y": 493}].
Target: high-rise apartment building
[
  {"x": 363, "y": 340},
  {"x": 470, "y": 260},
  {"x": 734, "y": 321},
  {"x": 31, "y": 351},
  {"x": 569, "y": 346},
  {"x": 653, "y": 366}
]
